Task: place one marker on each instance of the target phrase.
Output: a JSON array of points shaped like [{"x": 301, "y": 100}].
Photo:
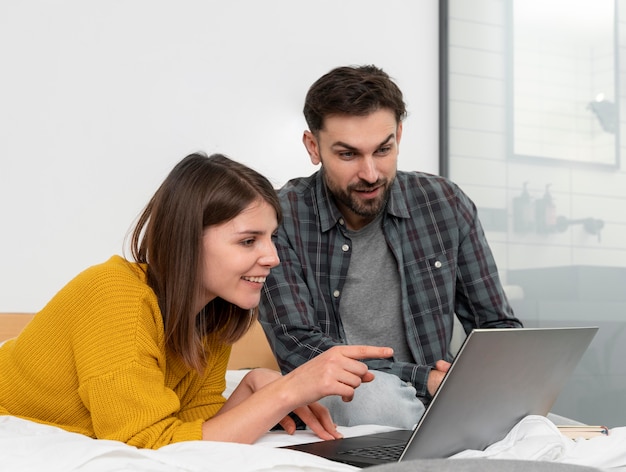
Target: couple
[{"x": 358, "y": 269}]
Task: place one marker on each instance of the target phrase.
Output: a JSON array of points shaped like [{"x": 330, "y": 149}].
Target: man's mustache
[{"x": 365, "y": 186}]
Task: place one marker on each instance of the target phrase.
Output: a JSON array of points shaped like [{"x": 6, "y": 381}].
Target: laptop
[{"x": 498, "y": 377}]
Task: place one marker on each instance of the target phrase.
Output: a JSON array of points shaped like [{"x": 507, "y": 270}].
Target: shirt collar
[{"x": 330, "y": 215}]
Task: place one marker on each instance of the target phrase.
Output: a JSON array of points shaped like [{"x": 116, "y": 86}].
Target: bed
[{"x": 26, "y": 445}]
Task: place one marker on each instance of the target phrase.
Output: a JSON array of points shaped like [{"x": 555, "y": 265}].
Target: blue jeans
[{"x": 387, "y": 400}]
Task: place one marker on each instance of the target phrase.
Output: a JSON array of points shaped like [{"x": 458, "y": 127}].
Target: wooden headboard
[
  {"x": 12, "y": 323},
  {"x": 251, "y": 351}
]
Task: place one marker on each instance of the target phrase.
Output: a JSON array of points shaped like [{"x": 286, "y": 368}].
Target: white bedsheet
[
  {"x": 537, "y": 438},
  {"x": 29, "y": 446}
]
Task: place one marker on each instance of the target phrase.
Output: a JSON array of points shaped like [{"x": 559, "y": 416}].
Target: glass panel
[
  {"x": 563, "y": 80},
  {"x": 557, "y": 228}
]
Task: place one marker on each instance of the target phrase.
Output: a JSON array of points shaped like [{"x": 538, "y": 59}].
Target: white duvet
[{"x": 29, "y": 446}]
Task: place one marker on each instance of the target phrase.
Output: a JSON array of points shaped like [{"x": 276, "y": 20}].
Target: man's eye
[
  {"x": 347, "y": 154},
  {"x": 384, "y": 150}
]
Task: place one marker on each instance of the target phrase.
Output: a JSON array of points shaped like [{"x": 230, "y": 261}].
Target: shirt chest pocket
[{"x": 430, "y": 284}]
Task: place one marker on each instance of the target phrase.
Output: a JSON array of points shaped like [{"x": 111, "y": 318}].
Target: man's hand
[{"x": 436, "y": 376}]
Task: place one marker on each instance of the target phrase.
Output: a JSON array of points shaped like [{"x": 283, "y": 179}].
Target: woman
[{"x": 137, "y": 351}]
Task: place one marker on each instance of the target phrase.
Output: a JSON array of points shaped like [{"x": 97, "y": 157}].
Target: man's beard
[{"x": 366, "y": 208}]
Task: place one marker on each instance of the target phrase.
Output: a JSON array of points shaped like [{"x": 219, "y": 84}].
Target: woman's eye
[{"x": 247, "y": 242}]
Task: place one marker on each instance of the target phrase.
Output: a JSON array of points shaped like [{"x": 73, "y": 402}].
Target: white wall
[{"x": 99, "y": 99}]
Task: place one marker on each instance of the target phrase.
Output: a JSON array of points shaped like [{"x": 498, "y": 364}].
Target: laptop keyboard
[{"x": 388, "y": 452}]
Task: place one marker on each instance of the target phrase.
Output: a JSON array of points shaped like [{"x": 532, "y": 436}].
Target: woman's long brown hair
[{"x": 199, "y": 192}]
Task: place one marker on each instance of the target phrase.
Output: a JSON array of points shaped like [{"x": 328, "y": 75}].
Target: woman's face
[{"x": 238, "y": 256}]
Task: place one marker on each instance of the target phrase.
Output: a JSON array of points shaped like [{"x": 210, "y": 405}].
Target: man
[{"x": 372, "y": 255}]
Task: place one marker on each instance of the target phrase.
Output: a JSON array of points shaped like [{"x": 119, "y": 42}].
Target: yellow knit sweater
[{"x": 94, "y": 361}]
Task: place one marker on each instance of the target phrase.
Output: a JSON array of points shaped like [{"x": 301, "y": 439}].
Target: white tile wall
[
  {"x": 480, "y": 63},
  {"x": 478, "y": 144},
  {"x": 482, "y": 145},
  {"x": 480, "y": 162},
  {"x": 464, "y": 115}
]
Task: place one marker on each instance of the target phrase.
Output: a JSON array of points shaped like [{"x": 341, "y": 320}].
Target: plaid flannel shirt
[{"x": 446, "y": 268}]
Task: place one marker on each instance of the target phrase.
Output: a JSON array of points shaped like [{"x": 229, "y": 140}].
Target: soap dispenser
[
  {"x": 523, "y": 217},
  {"x": 545, "y": 213}
]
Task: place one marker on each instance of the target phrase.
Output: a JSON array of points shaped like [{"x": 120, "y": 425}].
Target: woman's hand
[
  {"x": 252, "y": 382},
  {"x": 314, "y": 415},
  {"x": 265, "y": 397},
  {"x": 317, "y": 418},
  {"x": 337, "y": 371}
]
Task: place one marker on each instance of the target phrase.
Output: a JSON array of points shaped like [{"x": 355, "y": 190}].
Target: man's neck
[{"x": 354, "y": 221}]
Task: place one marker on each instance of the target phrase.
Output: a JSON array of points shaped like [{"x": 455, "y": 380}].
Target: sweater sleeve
[
  {"x": 205, "y": 400},
  {"x": 135, "y": 389},
  {"x": 94, "y": 361},
  {"x": 135, "y": 405},
  {"x": 148, "y": 399},
  {"x": 132, "y": 405}
]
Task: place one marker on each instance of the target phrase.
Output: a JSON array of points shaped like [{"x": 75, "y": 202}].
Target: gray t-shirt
[{"x": 370, "y": 307}]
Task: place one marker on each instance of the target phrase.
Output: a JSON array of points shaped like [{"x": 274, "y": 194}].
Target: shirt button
[
  {"x": 437, "y": 264},
  {"x": 345, "y": 248},
  {"x": 336, "y": 293},
  {"x": 341, "y": 222}
]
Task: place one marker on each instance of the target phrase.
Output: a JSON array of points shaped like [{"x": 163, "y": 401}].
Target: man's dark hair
[{"x": 352, "y": 90}]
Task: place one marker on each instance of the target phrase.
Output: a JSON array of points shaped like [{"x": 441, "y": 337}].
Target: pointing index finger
[{"x": 367, "y": 352}]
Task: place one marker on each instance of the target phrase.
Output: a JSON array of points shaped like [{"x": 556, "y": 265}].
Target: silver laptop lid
[{"x": 498, "y": 377}]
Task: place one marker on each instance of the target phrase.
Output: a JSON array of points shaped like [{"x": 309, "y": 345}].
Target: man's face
[{"x": 359, "y": 155}]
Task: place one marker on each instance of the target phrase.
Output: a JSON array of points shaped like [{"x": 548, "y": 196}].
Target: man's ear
[
  {"x": 310, "y": 143},
  {"x": 399, "y": 133}
]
